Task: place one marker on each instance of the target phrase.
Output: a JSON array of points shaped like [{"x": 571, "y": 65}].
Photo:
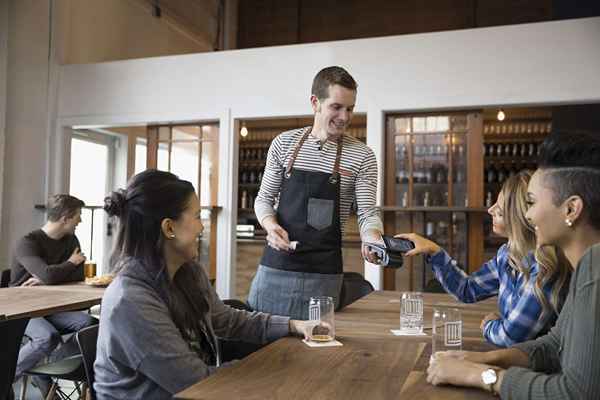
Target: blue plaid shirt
[{"x": 519, "y": 309}]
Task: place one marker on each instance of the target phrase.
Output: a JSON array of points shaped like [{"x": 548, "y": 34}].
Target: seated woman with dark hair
[
  {"x": 160, "y": 316},
  {"x": 564, "y": 208}
]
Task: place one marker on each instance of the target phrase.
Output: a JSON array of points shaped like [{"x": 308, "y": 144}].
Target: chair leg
[
  {"x": 24, "y": 383},
  {"x": 84, "y": 391},
  {"x": 52, "y": 391}
]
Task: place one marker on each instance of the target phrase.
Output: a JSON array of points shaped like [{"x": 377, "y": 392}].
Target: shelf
[
  {"x": 253, "y": 162},
  {"x": 433, "y": 209},
  {"x": 415, "y": 184},
  {"x": 509, "y": 159}
]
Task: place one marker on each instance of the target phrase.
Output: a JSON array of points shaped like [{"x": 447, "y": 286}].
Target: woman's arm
[{"x": 480, "y": 285}]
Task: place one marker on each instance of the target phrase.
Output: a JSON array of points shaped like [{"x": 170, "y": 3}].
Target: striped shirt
[
  {"x": 521, "y": 316},
  {"x": 358, "y": 171}
]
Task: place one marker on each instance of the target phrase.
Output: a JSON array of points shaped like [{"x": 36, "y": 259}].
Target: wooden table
[
  {"x": 372, "y": 364},
  {"x": 38, "y": 301}
]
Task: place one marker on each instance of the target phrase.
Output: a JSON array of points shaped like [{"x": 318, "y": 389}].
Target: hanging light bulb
[
  {"x": 244, "y": 131},
  {"x": 501, "y": 115}
]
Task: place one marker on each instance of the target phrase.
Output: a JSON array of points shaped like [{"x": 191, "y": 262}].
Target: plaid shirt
[{"x": 521, "y": 316}]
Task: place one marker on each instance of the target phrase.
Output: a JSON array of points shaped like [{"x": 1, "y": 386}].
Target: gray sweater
[
  {"x": 565, "y": 363},
  {"x": 141, "y": 353}
]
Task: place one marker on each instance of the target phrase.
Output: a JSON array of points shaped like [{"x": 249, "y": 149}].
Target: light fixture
[
  {"x": 244, "y": 130},
  {"x": 501, "y": 115}
]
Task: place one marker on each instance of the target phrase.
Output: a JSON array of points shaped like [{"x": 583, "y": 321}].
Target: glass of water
[
  {"x": 321, "y": 325},
  {"x": 447, "y": 329},
  {"x": 411, "y": 312}
]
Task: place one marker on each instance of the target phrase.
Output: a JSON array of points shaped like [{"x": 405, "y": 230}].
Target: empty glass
[
  {"x": 321, "y": 325},
  {"x": 447, "y": 329},
  {"x": 411, "y": 312}
]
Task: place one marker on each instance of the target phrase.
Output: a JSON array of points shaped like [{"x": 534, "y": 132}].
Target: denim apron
[{"x": 309, "y": 212}]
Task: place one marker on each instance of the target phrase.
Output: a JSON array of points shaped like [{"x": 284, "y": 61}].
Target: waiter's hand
[
  {"x": 372, "y": 236},
  {"x": 277, "y": 237}
]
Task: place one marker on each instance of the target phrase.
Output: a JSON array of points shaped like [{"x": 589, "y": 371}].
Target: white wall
[
  {"x": 3, "y": 61},
  {"x": 26, "y": 120},
  {"x": 551, "y": 62},
  {"x": 32, "y": 163}
]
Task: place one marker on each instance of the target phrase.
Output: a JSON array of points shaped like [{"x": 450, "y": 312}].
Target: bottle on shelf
[
  {"x": 502, "y": 174},
  {"x": 491, "y": 174},
  {"x": 488, "y": 199},
  {"x": 426, "y": 199},
  {"x": 404, "y": 199},
  {"x": 244, "y": 200}
]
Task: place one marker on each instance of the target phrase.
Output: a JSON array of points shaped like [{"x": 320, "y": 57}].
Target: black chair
[
  {"x": 87, "y": 340},
  {"x": 354, "y": 286},
  {"x": 237, "y": 349},
  {"x": 68, "y": 369},
  {"x": 11, "y": 334},
  {"x": 5, "y": 278},
  {"x": 434, "y": 286}
]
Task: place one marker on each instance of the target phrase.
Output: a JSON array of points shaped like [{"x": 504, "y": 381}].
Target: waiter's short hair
[
  {"x": 63, "y": 205},
  {"x": 329, "y": 76}
]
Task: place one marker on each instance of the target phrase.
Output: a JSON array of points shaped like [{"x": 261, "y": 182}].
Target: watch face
[{"x": 489, "y": 376}]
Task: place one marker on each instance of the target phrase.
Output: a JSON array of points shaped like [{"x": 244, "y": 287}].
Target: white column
[
  {"x": 375, "y": 140},
  {"x": 227, "y": 220}
]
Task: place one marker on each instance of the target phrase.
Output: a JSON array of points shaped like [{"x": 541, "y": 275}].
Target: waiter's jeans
[{"x": 288, "y": 293}]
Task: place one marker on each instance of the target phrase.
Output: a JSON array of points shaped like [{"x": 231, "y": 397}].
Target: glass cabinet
[{"x": 428, "y": 168}]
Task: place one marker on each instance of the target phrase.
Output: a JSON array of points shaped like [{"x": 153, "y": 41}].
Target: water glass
[
  {"x": 411, "y": 312},
  {"x": 321, "y": 326},
  {"x": 447, "y": 329}
]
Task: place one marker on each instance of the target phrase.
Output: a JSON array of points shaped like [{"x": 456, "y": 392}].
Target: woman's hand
[
  {"x": 480, "y": 357},
  {"x": 490, "y": 317},
  {"x": 299, "y": 328},
  {"x": 422, "y": 245},
  {"x": 450, "y": 370}
]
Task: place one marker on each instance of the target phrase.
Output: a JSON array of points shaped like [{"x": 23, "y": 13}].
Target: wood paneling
[
  {"x": 507, "y": 12},
  {"x": 267, "y": 23},
  {"x": 272, "y": 22}
]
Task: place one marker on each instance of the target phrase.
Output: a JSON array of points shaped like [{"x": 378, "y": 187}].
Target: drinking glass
[
  {"x": 321, "y": 326},
  {"x": 89, "y": 269},
  {"x": 447, "y": 329},
  {"x": 411, "y": 312}
]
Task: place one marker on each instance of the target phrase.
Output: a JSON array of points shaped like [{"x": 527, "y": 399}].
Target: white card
[
  {"x": 332, "y": 343},
  {"x": 399, "y": 332}
]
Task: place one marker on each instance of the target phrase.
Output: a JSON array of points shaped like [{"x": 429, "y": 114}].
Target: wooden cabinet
[
  {"x": 433, "y": 185},
  {"x": 442, "y": 172}
]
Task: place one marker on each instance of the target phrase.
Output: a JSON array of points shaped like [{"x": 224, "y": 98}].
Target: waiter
[{"x": 313, "y": 176}]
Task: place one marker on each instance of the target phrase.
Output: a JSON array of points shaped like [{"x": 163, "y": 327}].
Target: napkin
[
  {"x": 332, "y": 343},
  {"x": 400, "y": 332}
]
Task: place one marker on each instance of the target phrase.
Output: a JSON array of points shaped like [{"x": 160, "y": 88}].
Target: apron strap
[
  {"x": 335, "y": 176},
  {"x": 288, "y": 170}
]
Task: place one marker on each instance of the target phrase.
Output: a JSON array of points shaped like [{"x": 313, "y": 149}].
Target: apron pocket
[{"x": 320, "y": 213}]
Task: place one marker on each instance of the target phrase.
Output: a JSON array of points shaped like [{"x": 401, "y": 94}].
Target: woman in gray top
[
  {"x": 564, "y": 364},
  {"x": 160, "y": 316}
]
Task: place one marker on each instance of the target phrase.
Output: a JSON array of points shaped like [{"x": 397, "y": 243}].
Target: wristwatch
[{"x": 489, "y": 377}]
